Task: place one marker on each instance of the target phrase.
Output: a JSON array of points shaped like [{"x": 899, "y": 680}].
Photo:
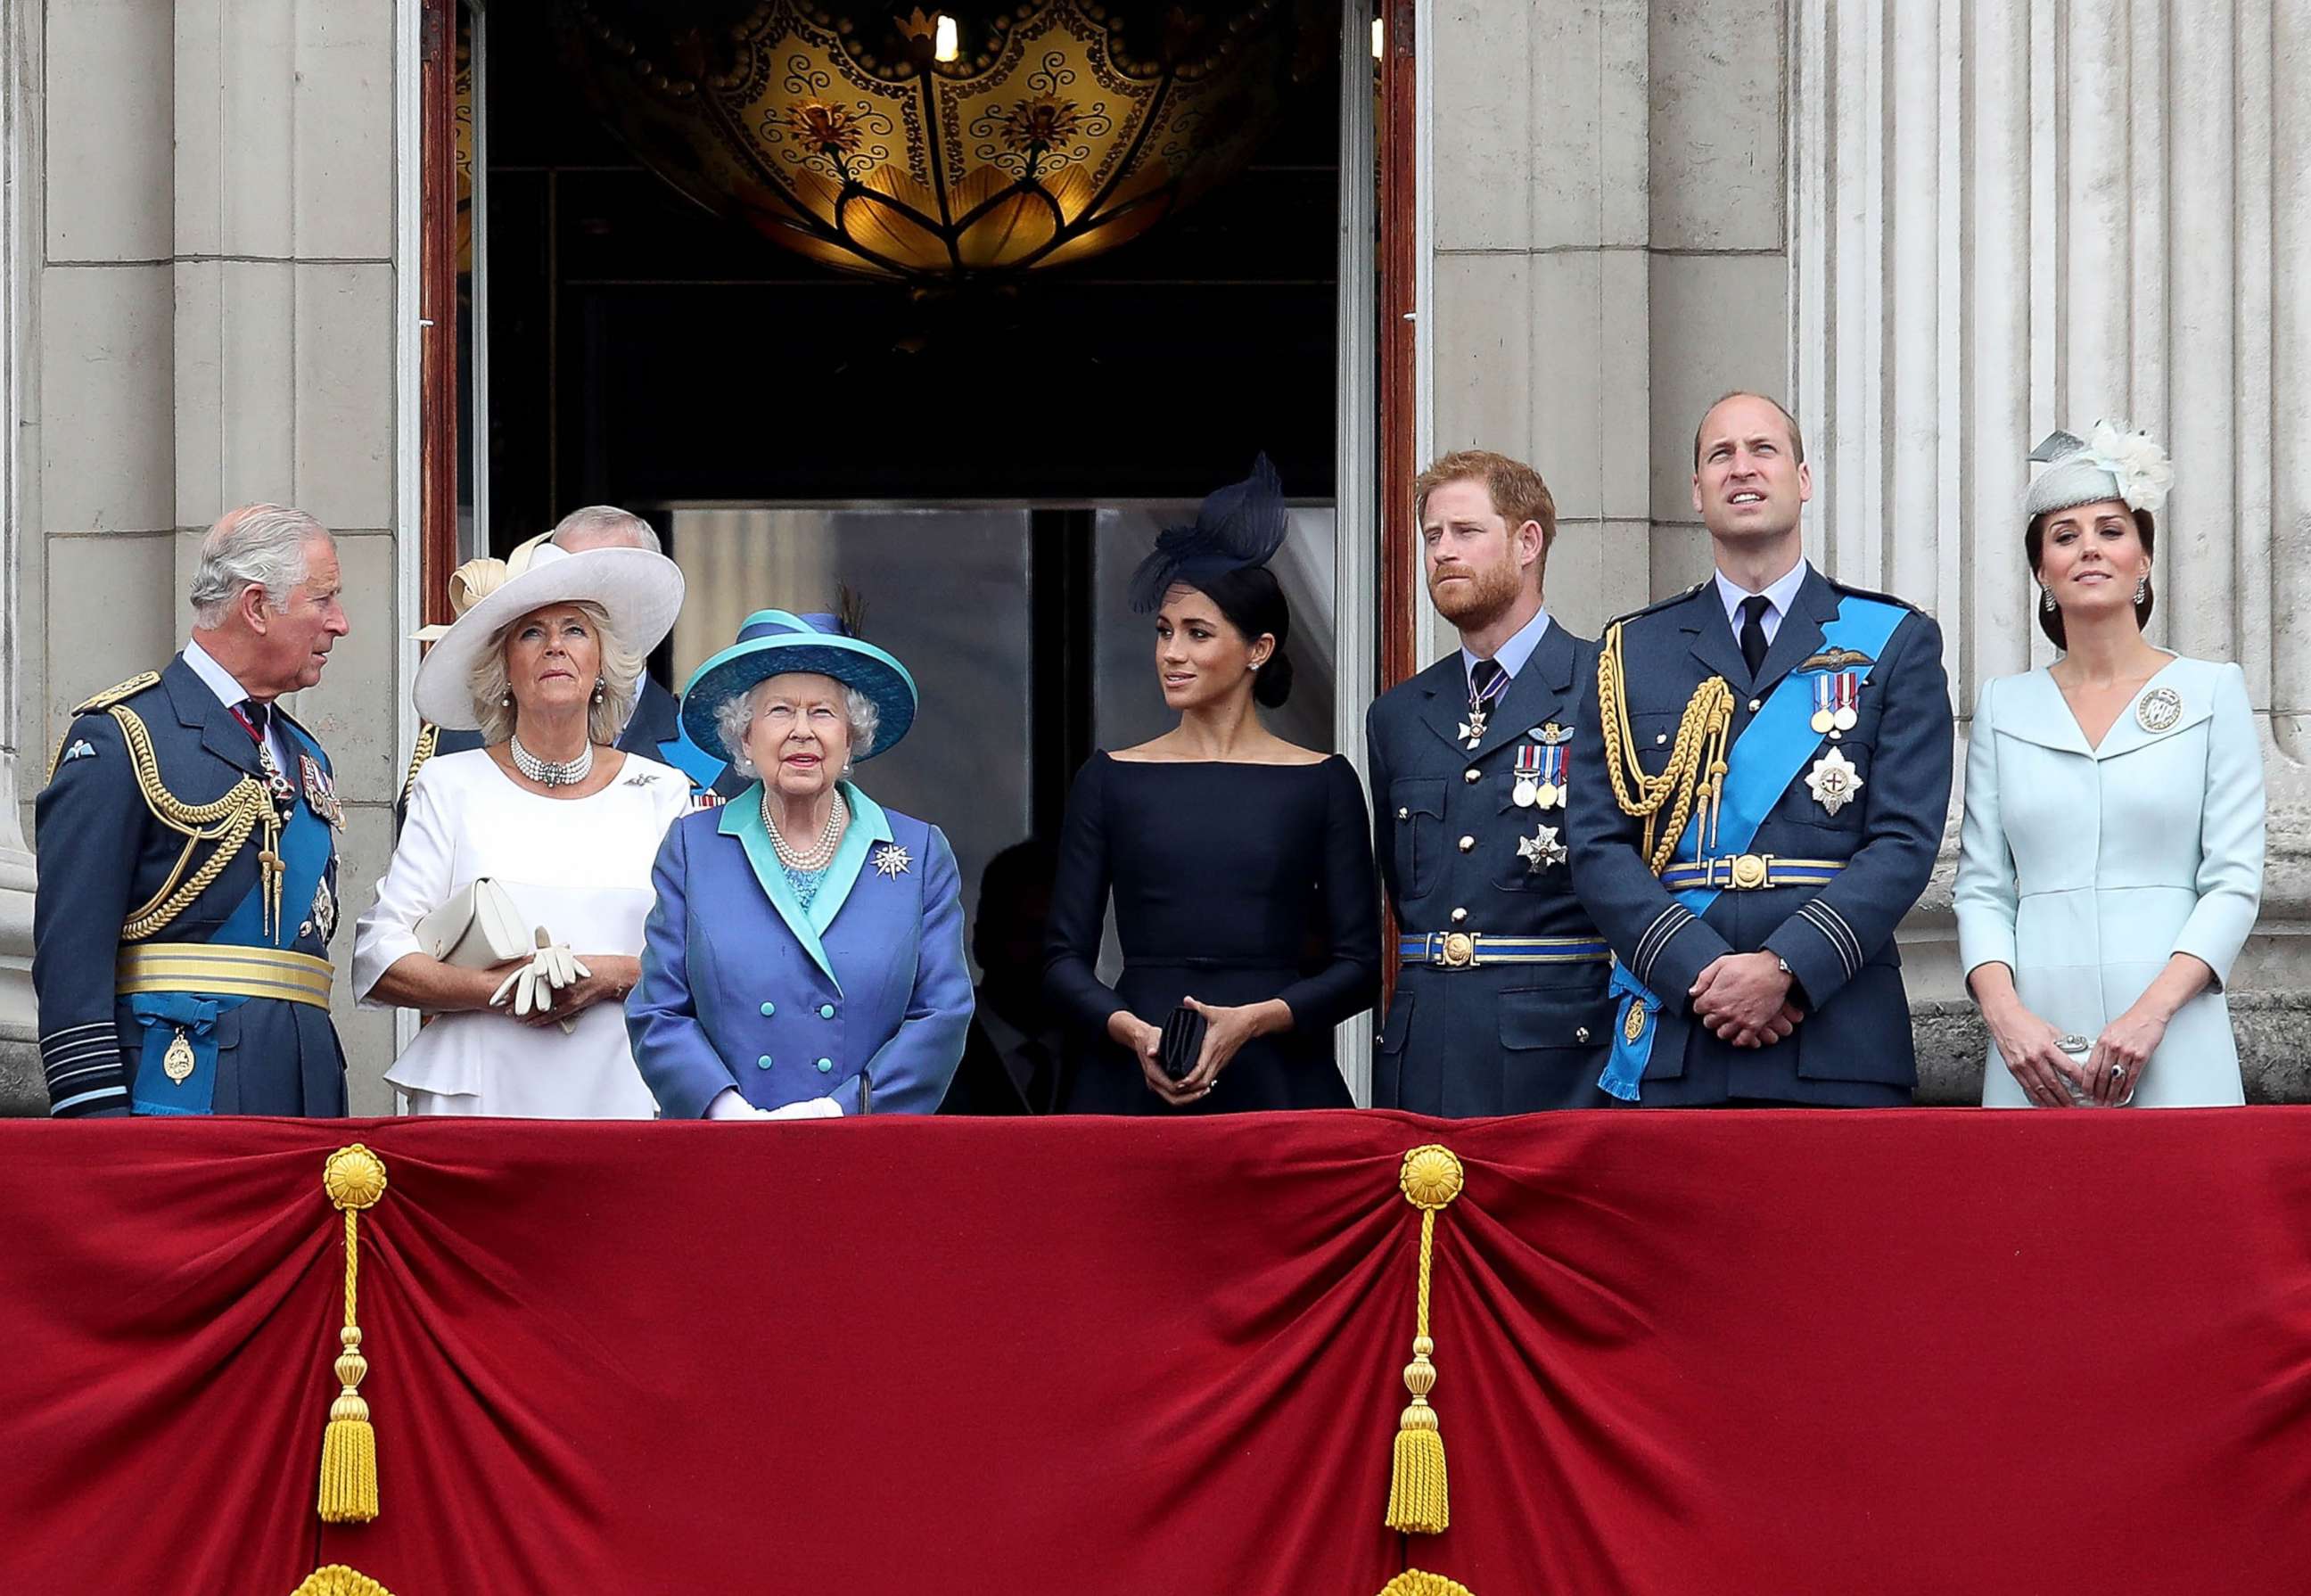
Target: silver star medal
[
  {"x": 1541, "y": 850},
  {"x": 892, "y": 860},
  {"x": 1833, "y": 781},
  {"x": 324, "y": 912}
]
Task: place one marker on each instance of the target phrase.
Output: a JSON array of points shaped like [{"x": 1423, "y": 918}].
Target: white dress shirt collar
[
  {"x": 1783, "y": 594},
  {"x": 1510, "y": 655}
]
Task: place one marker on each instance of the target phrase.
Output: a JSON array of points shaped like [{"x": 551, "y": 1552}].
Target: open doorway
[{"x": 709, "y": 264}]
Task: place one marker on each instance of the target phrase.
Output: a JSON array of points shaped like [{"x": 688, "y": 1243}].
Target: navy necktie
[{"x": 1753, "y": 631}]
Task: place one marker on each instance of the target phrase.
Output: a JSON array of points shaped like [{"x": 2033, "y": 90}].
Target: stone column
[
  {"x": 211, "y": 282},
  {"x": 2018, "y": 214},
  {"x": 20, "y": 1057},
  {"x": 1610, "y": 225}
]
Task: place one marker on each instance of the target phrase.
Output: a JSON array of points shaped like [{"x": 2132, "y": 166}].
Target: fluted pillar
[{"x": 2018, "y": 214}]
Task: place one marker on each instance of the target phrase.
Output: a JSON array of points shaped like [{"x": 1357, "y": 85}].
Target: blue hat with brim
[{"x": 774, "y": 642}]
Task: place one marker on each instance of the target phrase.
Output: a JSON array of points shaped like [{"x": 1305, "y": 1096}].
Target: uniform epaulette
[
  {"x": 97, "y": 704},
  {"x": 1870, "y": 593},
  {"x": 118, "y": 694},
  {"x": 1678, "y": 597},
  {"x": 428, "y": 735}
]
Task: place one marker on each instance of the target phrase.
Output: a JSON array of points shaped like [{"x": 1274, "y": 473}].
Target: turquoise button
[
  {"x": 763, "y": 1063},
  {"x": 826, "y": 1011},
  {"x": 825, "y": 1065},
  {"x": 768, "y": 1010}
]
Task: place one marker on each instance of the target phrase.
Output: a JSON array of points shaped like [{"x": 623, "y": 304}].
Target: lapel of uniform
[
  {"x": 1714, "y": 642},
  {"x": 742, "y": 817},
  {"x": 1535, "y": 693},
  {"x": 1799, "y": 636},
  {"x": 197, "y": 706},
  {"x": 1446, "y": 685},
  {"x": 868, "y": 826}
]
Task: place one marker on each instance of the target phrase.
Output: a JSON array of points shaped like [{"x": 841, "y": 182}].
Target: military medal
[
  {"x": 1480, "y": 705},
  {"x": 1541, "y": 850},
  {"x": 325, "y": 911},
  {"x": 2160, "y": 708},
  {"x": 320, "y": 793},
  {"x": 1833, "y": 781},
  {"x": 177, "y": 1063},
  {"x": 1527, "y": 790},
  {"x": 1835, "y": 697},
  {"x": 1553, "y": 756}
]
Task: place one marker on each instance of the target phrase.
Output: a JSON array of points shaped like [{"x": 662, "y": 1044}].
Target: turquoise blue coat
[{"x": 864, "y": 998}]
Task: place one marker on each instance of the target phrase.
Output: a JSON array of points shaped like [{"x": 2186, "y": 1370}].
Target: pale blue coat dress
[{"x": 2084, "y": 869}]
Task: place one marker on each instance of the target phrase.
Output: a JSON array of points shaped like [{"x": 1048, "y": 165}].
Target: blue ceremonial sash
[
  {"x": 702, "y": 768},
  {"x": 1772, "y": 750}
]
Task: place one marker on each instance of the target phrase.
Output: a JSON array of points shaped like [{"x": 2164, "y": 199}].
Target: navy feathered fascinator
[{"x": 1243, "y": 524}]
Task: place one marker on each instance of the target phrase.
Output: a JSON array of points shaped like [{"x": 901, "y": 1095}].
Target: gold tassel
[
  {"x": 1418, "y": 1502},
  {"x": 338, "y": 1580},
  {"x": 1413, "y": 1581},
  {"x": 354, "y": 1179}
]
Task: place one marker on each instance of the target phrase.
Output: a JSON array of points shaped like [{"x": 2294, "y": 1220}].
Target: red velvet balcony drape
[{"x": 1925, "y": 1351}]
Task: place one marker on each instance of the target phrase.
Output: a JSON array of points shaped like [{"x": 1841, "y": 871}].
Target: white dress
[
  {"x": 2084, "y": 869},
  {"x": 578, "y": 867}
]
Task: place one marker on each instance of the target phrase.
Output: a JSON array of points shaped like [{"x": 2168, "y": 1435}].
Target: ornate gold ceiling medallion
[{"x": 1063, "y": 128}]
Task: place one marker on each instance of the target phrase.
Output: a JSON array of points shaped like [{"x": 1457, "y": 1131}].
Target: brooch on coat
[
  {"x": 2160, "y": 708},
  {"x": 892, "y": 860}
]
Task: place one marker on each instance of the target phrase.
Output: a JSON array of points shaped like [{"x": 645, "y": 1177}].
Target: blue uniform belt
[
  {"x": 1750, "y": 872},
  {"x": 1465, "y": 950}
]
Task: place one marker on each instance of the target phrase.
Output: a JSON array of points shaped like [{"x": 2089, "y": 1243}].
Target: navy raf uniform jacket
[
  {"x": 654, "y": 731},
  {"x": 1500, "y": 1005},
  {"x": 1837, "y": 783},
  {"x": 181, "y": 931}
]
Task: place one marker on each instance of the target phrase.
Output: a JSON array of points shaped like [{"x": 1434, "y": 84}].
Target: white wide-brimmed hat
[{"x": 641, "y": 592}]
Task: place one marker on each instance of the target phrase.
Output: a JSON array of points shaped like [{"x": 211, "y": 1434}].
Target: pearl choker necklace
[{"x": 554, "y": 772}]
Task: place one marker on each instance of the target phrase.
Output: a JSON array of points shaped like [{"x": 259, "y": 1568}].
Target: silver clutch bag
[{"x": 476, "y": 928}]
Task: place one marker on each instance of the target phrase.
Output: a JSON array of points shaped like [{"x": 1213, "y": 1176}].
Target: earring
[
  {"x": 2046, "y": 599},
  {"x": 506, "y": 702},
  {"x": 2142, "y": 588},
  {"x": 597, "y": 690}
]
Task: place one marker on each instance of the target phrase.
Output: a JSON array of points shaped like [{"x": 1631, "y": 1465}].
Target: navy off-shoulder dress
[{"x": 1233, "y": 883}]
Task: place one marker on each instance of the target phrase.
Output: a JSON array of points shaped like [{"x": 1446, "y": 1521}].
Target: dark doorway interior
[
  {"x": 791, "y": 427},
  {"x": 641, "y": 348}
]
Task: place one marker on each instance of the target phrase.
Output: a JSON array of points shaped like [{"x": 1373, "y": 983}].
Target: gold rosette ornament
[
  {"x": 354, "y": 1179},
  {"x": 1417, "y": 1503}
]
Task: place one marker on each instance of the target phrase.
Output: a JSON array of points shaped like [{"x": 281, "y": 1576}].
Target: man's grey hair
[
  {"x": 600, "y": 522},
  {"x": 622, "y": 675},
  {"x": 256, "y": 545},
  {"x": 736, "y": 712}
]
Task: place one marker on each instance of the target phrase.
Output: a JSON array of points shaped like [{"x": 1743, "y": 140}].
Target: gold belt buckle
[
  {"x": 1750, "y": 870},
  {"x": 1459, "y": 950}
]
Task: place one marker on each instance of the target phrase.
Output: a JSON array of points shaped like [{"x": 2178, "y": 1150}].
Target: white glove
[
  {"x": 728, "y": 1105},
  {"x": 551, "y": 968},
  {"x": 810, "y": 1108}
]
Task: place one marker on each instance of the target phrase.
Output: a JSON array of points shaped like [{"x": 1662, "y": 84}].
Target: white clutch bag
[{"x": 477, "y": 927}]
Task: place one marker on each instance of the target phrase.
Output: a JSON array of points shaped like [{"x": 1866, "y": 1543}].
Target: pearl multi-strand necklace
[
  {"x": 821, "y": 853},
  {"x": 554, "y": 772}
]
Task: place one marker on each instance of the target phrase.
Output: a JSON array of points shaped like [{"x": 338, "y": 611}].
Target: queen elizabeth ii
[{"x": 805, "y": 955}]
